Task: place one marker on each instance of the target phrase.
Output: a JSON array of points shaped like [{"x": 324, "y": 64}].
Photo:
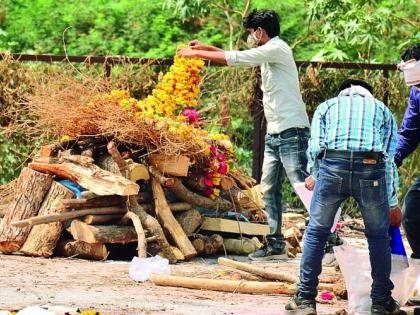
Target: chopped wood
[
  {"x": 153, "y": 226},
  {"x": 226, "y": 183},
  {"x": 238, "y": 275},
  {"x": 190, "y": 220},
  {"x": 196, "y": 181},
  {"x": 174, "y": 165},
  {"x": 138, "y": 172},
  {"x": 91, "y": 177},
  {"x": 97, "y": 202},
  {"x": 31, "y": 189},
  {"x": 116, "y": 156},
  {"x": 253, "y": 287},
  {"x": 198, "y": 241},
  {"x": 290, "y": 219},
  {"x": 293, "y": 236},
  {"x": 48, "y": 151},
  {"x": 87, "y": 194},
  {"x": 3, "y": 209},
  {"x": 242, "y": 180},
  {"x": 178, "y": 254},
  {"x": 7, "y": 192},
  {"x": 43, "y": 238},
  {"x": 78, "y": 249},
  {"x": 185, "y": 194},
  {"x": 93, "y": 219},
  {"x": 175, "y": 206},
  {"x": 169, "y": 223},
  {"x": 213, "y": 244},
  {"x": 115, "y": 234},
  {"x": 141, "y": 236},
  {"x": 61, "y": 217},
  {"x": 78, "y": 159},
  {"x": 164, "y": 181},
  {"x": 107, "y": 163},
  {"x": 144, "y": 197},
  {"x": 232, "y": 226},
  {"x": 271, "y": 275},
  {"x": 243, "y": 246}
]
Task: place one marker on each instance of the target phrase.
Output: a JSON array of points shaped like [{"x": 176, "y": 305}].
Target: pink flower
[
  {"x": 327, "y": 296},
  {"x": 221, "y": 158},
  {"x": 208, "y": 192},
  {"x": 208, "y": 182},
  {"x": 192, "y": 115},
  {"x": 222, "y": 168},
  {"x": 208, "y": 175},
  {"x": 213, "y": 150}
]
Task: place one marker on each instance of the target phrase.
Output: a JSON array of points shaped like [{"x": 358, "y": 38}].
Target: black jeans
[{"x": 411, "y": 217}]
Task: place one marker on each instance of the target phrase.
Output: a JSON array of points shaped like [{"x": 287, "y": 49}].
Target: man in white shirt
[{"x": 287, "y": 122}]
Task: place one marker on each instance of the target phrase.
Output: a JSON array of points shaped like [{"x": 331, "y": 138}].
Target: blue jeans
[
  {"x": 411, "y": 217},
  {"x": 337, "y": 180},
  {"x": 283, "y": 153}
]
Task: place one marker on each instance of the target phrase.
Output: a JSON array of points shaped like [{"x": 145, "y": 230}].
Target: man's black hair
[
  {"x": 349, "y": 82},
  {"x": 266, "y": 19},
  {"x": 412, "y": 52}
]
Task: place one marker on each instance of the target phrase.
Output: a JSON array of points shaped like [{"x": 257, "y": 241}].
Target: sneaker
[
  {"x": 301, "y": 307},
  {"x": 268, "y": 252},
  {"x": 386, "y": 308}
]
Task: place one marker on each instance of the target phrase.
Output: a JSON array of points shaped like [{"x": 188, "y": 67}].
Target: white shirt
[{"x": 282, "y": 101}]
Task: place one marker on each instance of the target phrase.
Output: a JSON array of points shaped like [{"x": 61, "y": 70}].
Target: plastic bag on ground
[
  {"x": 355, "y": 265},
  {"x": 141, "y": 268}
]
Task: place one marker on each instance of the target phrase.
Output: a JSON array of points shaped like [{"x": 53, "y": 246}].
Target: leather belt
[{"x": 378, "y": 156}]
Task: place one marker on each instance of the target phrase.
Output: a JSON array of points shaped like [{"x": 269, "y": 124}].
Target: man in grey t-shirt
[{"x": 287, "y": 122}]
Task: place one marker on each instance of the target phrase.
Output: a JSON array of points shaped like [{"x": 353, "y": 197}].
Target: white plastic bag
[
  {"x": 141, "y": 268},
  {"x": 355, "y": 265}
]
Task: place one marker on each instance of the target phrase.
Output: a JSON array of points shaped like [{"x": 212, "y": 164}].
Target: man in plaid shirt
[{"x": 351, "y": 154}]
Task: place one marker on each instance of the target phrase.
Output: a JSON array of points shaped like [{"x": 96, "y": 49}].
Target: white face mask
[{"x": 252, "y": 39}]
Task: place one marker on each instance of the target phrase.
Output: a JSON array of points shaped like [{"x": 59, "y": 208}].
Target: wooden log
[
  {"x": 99, "y": 219},
  {"x": 43, "y": 238},
  {"x": 175, "y": 206},
  {"x": 279, "y": 276},
  {"x": 243, "y": 246},
  {"x": 164, "y": 181},
  {"x": 238, "y": 275},
  {"x": 178, "y": 254},
  {"x": 61, "y": 217},
  {"x": 252, "y": 287},
  {"x": 114, "y": 234},
  {"x": 78, "y": 249},
  {"x": 293, "y": 236},
  {"x": 185, "y": 194},
  {"x": 242, "y": 180},
  {"x": 50, "y": 150},
  {"x": 174, "y": 165},
  {"x": 97, "y": 202},
  {"x": 169, "y": 223},
  {"x": 31, "y": 190},
  {"x": 213, "y": 244},
  {"x": 3, "y": 209},
  {"x": 226, "y": 183},
  {"x": 189, "y": 220},
  {"x": 232, "y": 226},
  {"x": 198, "y": 241},
  {"x": 107, "y": 163},
  {"x": 91, "y": 177},
  {"x": 141, "y": 236},
  {"x": 153, "y": 226},
  {"x": 77, "y": 159},
  {"x": 138, "y": 172}
]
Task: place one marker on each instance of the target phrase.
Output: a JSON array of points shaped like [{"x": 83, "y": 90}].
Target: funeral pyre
[{"x": 125, "y": 170}]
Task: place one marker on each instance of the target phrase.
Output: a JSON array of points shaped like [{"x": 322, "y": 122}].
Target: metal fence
[{"x": 257, "y": 109}]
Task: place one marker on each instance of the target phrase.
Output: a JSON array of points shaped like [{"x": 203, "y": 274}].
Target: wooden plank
[{"x": 233, "y": 226}]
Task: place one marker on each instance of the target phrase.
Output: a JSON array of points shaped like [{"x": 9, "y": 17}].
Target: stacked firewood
[{"x": 125, "y": 200}]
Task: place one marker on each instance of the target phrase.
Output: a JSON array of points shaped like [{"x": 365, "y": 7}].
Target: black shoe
[
  {"x": 269, "y": 252},
  {"x": 301, "y": 307},
  {"x": 333, "y": 240},
  {"x": 386, "y": 308}
]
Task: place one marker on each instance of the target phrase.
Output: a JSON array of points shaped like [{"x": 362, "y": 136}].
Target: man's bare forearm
[{"x": 215, "y": 56}]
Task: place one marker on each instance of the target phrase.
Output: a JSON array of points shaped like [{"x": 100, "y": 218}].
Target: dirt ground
[{"x": 106, "y": 287}]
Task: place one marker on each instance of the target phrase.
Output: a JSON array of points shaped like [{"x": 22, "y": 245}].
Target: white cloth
[
  {"x": 282, "y": 100},
  {"x": 356, "y": 89},
  {"x": 411, "y": 70}
]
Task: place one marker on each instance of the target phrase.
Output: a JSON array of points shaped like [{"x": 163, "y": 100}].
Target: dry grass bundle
[{"x": 63, "y": 104}]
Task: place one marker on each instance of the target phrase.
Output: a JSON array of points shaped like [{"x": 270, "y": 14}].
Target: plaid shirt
[{"x": 355, "y": 121}]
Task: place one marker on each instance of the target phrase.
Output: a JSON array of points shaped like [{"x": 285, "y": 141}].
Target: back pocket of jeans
[{"x": 373, "y": 192}]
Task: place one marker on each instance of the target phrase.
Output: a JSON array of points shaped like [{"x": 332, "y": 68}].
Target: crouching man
[{"x": 351, "y": 154}]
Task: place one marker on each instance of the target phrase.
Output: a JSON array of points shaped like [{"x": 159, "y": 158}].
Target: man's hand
[
  {"x": 395, "y": 216},
  {"x": 186, "y": 53},
  {"x": 310, "y": 182},
  {"x": 196, "y": 44}
]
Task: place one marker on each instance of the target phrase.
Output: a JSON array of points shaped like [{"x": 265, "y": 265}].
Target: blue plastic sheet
[
  {"x": 397, "y": 245},
  {"x": 74, "y": 187}
]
